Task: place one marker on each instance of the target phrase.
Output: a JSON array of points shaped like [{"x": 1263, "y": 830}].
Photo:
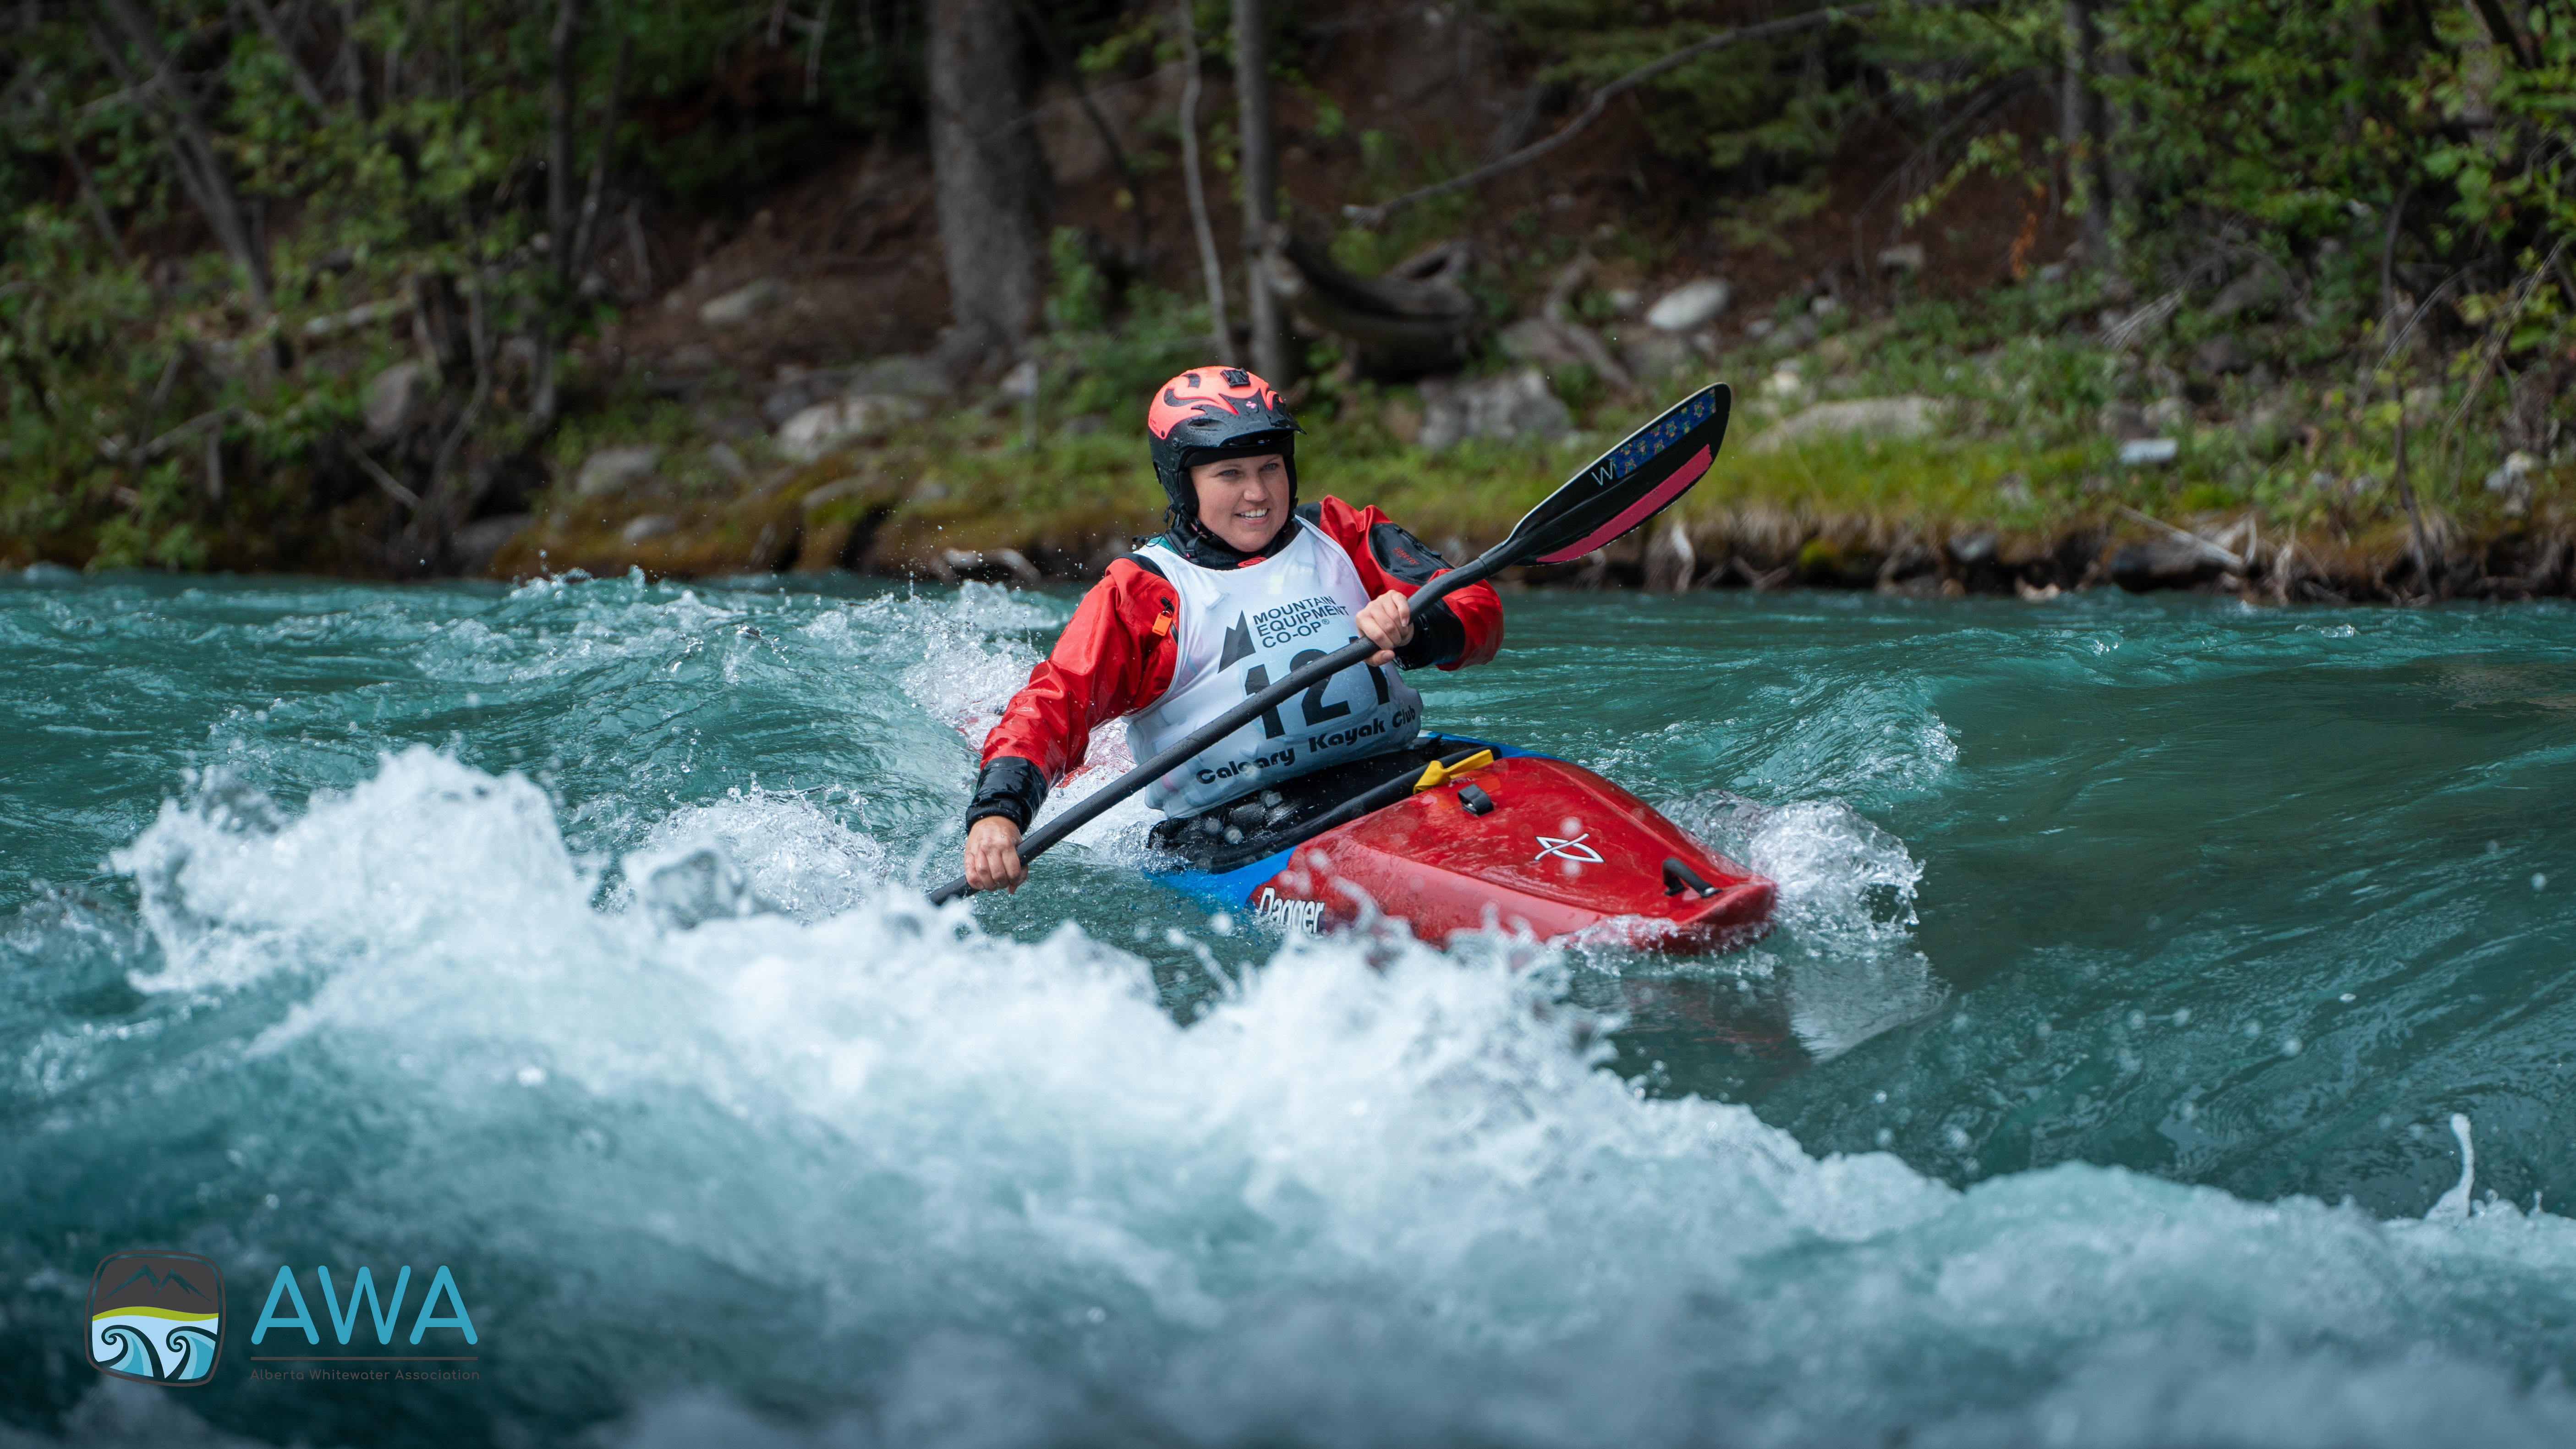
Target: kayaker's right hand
[
  {"x": 993, "y": 855},
  {"x": 1387, "y": 621}
]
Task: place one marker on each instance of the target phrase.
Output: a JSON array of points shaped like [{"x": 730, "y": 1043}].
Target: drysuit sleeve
[
  {"x": 1114, "y": 659},
  {"x": 1459, "y": 629}
]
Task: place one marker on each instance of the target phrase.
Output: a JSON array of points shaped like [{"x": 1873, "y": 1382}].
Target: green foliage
[
  {"x": 1997, "y": 154},
  {"x": 2379, "y": 160},
  {"x": 1105, "y": 355},
  {"x": 1757, "y": 221},
  {"x": 424, "y": 180},
  {"x": 1079, "y": 300},
  {"x": 1778, "y": 104},
  {"x": 2207, "y": 497}
]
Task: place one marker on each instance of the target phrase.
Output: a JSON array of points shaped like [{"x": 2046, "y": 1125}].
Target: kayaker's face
[{"x": 1243, "y": 501}]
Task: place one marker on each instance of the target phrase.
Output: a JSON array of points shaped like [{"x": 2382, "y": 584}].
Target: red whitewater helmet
[{"x": 1209, "y": 413}]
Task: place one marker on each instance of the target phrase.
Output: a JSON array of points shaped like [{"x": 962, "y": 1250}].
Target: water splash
[
  {"x": 229, "y": 891},
  {"x": 868, "y": 1172},
  {"x": 1846, "y": 917},
  {"x": 966, "y": 677},
  {"x": 974, "y": 656},
  {"x": 1396, "y": 1178},
  {"x": 2454, "y": 1205},
  {"x": 755, "y": 850}
]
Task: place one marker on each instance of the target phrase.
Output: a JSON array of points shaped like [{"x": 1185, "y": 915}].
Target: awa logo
[
  {"x": 362, "y": 1290},
  {"x": 1573, "y": 849},
  {"x": 156, "y": 1317}
]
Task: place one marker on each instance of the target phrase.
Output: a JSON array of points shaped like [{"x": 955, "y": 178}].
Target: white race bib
[{"x": 1239, "y": 632}]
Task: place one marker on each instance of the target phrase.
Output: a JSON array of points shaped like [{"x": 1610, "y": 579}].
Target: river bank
[
  {"x": 1753, "y": 546},
  {"x": 2056, "y": 430},
  {"x": 1883, "y": 456},
  {"x": 2034, "y": 444}
]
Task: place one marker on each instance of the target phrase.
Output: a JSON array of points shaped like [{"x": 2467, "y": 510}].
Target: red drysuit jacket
[{"x": 1116, "y": 657}]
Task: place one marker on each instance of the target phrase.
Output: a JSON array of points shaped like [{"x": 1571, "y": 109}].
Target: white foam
[
  {"x": 1847, "y": 911},
  {"x": 965, "y": 1185},
  {"x": 966, "y": 675},
  {"x": 1845, "y": 919},
  {"x": 2455, "y": 1203},
  {"x": 773, "y": 852},
  {"x": 427, "y": 852},
  {"x": 966, "y": 679}
]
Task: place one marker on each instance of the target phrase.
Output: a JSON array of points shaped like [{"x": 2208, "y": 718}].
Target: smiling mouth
[{"x": 1255, "y": 515}]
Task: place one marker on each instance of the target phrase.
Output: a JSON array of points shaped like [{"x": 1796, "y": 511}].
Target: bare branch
[
  {"x": 2233, "y": 563},
  {"x": 2499, "y": 334},
  {"x": 295, "y": 71},
  {"x": 201, "y": 170},
  {"x": 1913, "y": 173},
  {"x": 814, "y": 52},
  {"x": 186, "y": 430},
  {"x": 2408, "y": 330},
  {"x": 97, "y": 204},
  {"x": 387, "y": 481}
]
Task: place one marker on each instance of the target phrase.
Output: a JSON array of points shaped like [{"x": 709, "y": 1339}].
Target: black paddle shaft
[{"x": 1622, "y": 489}]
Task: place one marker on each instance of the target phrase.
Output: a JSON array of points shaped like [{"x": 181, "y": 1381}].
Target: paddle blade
[{"x": 1631, "y": 483}]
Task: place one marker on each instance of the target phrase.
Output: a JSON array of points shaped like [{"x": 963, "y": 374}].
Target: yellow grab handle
[{"x": 1436, "y": 773}]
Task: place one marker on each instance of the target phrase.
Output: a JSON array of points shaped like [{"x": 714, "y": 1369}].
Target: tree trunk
[
  {"x": 1139, "y": 247},
  {"x": 988, "y": 177},
  {"x": 1211, "y": 271},
  {"x": 2081, "y": 131},
  {"x": 1259, "y": 170},
  {"x": 559, "y": 218},
  {"x": 585, "y": 236}
]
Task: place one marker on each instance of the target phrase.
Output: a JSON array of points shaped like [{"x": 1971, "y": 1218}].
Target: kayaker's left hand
[{"x": 1387, "y": 623}]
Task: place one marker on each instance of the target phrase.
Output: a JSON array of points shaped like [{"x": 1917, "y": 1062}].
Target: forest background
[{"x": 2016, "y": 296}]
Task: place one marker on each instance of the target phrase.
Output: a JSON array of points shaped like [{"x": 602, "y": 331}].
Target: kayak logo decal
[
  {"x": 1289, "y": 914},
  {"x": 1238, "y": 642},
  {"x": 1573, "y": 849}
]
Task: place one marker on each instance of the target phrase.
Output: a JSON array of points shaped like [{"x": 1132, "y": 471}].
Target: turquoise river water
[{"x": 2148, "y": 972}]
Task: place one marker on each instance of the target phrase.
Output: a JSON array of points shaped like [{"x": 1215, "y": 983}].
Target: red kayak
[{"x": 1458, "y": 835}]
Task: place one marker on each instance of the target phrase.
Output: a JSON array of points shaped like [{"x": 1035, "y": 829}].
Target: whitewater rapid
[{"x": 736, "y": 1139}]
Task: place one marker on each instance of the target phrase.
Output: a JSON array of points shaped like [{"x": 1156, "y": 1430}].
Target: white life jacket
[{"x": 1242, "y": 630}]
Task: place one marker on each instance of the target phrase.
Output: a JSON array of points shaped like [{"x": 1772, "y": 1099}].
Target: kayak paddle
[{"x": 1621, "y": 489}]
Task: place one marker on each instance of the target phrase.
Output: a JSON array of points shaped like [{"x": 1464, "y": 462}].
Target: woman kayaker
[{"x": 1241, "y": 587}]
